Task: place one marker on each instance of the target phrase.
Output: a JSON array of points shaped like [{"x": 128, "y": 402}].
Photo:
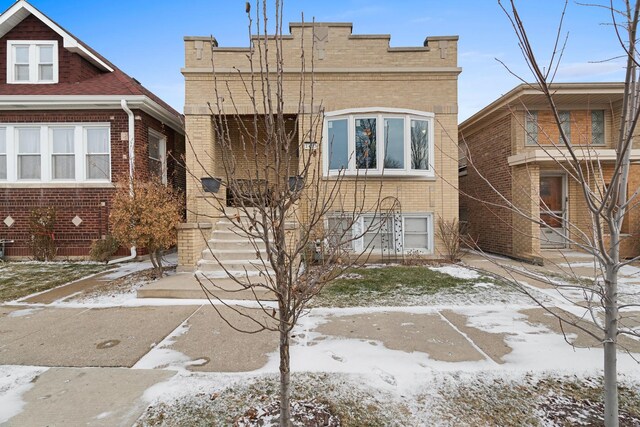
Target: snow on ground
[
  {"x": 127, "y": 268},
  {"x": 161, "y": 356},
  {"x": 25, "y": 312},
  {"x": 457, "y": 271},
  {"x": 14, "y": 382},
  {"x": 413, "y": 379}
]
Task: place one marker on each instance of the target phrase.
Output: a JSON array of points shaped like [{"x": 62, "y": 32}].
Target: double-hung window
[
  {"x": 387, "y": 142},
  {"x": 565, "y": 125},
  {"x": 3, "y": 154},
  {"x": 157, "y": 156},
  {"x": 55, "y": 153},
  {"x": 32, "y": 62},
  {"x": 597, "y": 127},
  {"x": 97, "y": 160},
  {"x": 63, "y": 158},
  {"x": 29, "y": 154}
]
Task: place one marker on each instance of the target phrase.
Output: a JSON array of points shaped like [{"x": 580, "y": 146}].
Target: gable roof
[
  {"x": 107, "y": 86},
  {"x": 21, "y": 9}
]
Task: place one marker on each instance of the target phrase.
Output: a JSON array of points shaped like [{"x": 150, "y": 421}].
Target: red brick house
[
  {"x": 513, "y": 146},
  {"x": 71, "y": 125}
]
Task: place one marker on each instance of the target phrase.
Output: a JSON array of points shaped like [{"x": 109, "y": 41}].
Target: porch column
[{"x": 526, "y": 197}]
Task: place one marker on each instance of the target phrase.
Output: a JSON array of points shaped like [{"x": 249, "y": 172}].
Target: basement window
[
  {"x": 32, "y": 62},
  {"x": 403, "y": 232},
  {"x": 378, "y": 142}
]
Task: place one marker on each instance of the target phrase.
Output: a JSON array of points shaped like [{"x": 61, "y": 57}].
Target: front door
[{"x": 552, "y": 211}]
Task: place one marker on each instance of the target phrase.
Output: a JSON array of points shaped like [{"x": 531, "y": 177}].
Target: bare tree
[
  {"x": 300, "y": 225},
  {"x": 605, "y": 190}
]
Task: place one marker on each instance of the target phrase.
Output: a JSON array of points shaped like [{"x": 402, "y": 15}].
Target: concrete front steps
[
  {"x": 228, "y": 252},
  {"x": 189, "y": 286}
]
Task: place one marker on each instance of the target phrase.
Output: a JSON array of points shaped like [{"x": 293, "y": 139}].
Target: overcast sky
[{"x": 144, "y": 37}]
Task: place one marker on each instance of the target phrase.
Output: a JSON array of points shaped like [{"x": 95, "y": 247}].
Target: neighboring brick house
[
  {"x": 67, "y": 120},
  {"x": 512, "y": 146},
  {"x": 363, "y": 86}
]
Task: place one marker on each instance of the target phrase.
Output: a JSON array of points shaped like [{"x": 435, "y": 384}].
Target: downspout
[{"x": 132, "y": 153}]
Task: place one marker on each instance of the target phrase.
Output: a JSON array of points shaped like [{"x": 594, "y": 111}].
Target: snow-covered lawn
[
  {"x": 19, "y": 279},
  {"x": 517, "y": 369},
  {"x": 394, "y": 285}
]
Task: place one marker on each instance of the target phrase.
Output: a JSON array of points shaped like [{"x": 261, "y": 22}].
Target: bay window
[
  {"x": 32, "y": 62},
  {"x": 385, "y": 142},
  {"x": 338, "y": 140},
  {"x": 55, "y": 153}
]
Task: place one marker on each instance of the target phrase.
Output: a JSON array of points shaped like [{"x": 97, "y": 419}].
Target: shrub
[
  {"x": 42, "y": 222},
  {"x": 103, "y": 249},
  {"x": 147, "y": 217}
]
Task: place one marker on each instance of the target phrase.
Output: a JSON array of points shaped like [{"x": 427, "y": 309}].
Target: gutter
[
  {"x": 88, "y": 102},
  {"x": 125, "y": 107}
]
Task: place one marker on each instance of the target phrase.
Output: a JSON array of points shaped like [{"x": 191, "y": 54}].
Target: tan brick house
[
  {"x": 513, "y": 144},
  {"x": 363, "y": 85},
  {"x": 71, "y": 125}
]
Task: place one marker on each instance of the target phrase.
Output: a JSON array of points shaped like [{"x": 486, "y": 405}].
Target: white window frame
[
  {"x": 430, "y": 231},
  {"x": 46, "y": 152},
  {"x": 3, "y": 130},
  {"x": 86, "y": 153},
  {"x": 162, "y": 147},
  {"x": 53, "y": 153},
  {"x": 380, "y": 114},
  {"x": 43, "y": 153},
  {"x": 357, "y": 245},
  {"x": 34, "y": 61}
]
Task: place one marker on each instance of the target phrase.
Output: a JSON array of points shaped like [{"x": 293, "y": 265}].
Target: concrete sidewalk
[
  {"x": 557, "y": 263},
  {"x": 87, "y": 397}
]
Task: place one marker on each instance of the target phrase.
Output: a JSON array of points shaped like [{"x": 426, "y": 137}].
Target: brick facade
[
  {"x": 488, "y": 149},
  {"x": 81, "y": 72},
  {"x": 496, "y": 139},
  {"x": 90, "y": 202},
  {"x": 415, "y": 78}
]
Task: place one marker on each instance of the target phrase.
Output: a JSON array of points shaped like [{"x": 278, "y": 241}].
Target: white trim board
[{"x": 90, "y": 102}]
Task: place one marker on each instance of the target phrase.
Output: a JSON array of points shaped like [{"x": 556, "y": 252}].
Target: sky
[{"x": 144, "y": 38}]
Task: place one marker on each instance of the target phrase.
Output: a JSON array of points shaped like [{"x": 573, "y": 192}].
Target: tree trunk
[
  {"x": 156, "y": 261},
  {"x": 610, "y": 342},
  {"x": 285, "y": 374}
]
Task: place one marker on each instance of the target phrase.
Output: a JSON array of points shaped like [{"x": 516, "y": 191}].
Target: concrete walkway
[
  {"x": 557, "y": 263},
  {"x": 100, "y": 361}
]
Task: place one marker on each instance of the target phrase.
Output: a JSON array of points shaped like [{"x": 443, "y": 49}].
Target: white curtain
[
  {"x": 29, "y": 153},
  {"x": 98, "y": 153},
  {"x": 63, "y": 158},
  {"x": 3, "y": 154}
]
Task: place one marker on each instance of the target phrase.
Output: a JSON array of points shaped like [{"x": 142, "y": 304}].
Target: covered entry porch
[{"x": 548, "y": 192}]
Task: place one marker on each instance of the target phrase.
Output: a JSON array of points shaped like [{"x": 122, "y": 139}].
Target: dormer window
[{"x": 32, "y": 62}]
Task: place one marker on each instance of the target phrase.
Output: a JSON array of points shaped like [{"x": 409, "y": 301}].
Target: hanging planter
[{"x": 210, "y": 185}]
